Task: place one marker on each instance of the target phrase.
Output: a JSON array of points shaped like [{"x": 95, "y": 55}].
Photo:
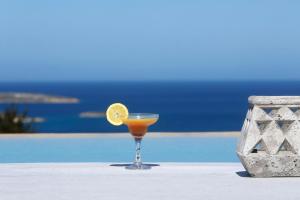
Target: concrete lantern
[{"x": 270, "y": 140}]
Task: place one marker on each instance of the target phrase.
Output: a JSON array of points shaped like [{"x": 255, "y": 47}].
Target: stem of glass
[{"x": 138, "y": 159}]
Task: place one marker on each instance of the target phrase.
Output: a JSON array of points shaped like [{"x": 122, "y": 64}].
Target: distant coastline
[
  {"x": 92, "y": 114},
  {"x": 21, "y": 97}
]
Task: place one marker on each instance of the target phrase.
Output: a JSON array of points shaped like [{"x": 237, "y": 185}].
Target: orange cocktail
[
  {"x": 137, "y": 123},
  {"x": 138, "y": 126}
]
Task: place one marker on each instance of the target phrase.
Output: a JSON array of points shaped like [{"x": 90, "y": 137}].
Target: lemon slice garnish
[{"x": 116, "y": 113}]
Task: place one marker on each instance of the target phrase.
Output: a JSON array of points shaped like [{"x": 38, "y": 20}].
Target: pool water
[{"x": 188, "y": 149}]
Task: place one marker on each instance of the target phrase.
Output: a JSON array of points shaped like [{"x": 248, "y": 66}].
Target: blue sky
[{"x": 94, "y": 40}]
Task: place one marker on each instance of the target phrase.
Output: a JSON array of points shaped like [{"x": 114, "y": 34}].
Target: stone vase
[{"x": 270, "y": 138}]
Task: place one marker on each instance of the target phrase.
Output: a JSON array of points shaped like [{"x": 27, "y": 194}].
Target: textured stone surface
[
  {"x": 270, "y": 141},
  {"x": 264, "y": 165},
  {"x": 277, "y": 100}
]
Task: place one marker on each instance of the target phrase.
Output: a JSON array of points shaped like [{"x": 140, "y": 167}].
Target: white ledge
[{"x": 193, "y": 181}]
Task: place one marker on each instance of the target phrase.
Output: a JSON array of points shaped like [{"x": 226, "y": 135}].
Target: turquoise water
[{"x": 117, "y": 150}]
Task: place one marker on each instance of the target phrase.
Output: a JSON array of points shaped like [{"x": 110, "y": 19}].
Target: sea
[{"x": 182, "y": 106}]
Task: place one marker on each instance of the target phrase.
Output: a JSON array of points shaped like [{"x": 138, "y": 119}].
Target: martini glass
[{"x": 138, "y": 124}]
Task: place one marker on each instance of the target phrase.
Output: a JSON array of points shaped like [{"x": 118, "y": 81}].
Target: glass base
[{"x": 135, "y": 166}]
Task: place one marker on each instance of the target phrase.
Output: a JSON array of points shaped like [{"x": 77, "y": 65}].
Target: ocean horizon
[{"x": 183, "y": 106}]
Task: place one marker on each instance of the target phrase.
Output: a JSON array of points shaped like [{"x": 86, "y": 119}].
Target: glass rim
[{"x": 142, "y": 115}]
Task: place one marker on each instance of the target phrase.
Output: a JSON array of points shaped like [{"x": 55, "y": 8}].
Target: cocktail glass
[{"x": 138, "y": 124}]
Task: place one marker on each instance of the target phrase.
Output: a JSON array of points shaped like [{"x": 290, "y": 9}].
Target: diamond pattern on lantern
[
  {"x": 296, "y": 111},
  {"x": 286, "y": 146},
  {"x": 270, "y": 111},
  {"x": 255, "y": 137},
  {"x": 284, "y": 113},
  {"x": 293, "y": 136},
  {"x": 273, "y": 138},
  {"x": 263, "y": 125},
  {"x": 260, "y": 115},
  {"x": 284, "y": 125},
  {"x": 259, "y": 146},
  {"x": 272, "y": 129}
]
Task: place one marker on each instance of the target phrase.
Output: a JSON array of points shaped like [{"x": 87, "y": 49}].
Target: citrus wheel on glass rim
[{"x": 116, "y": 113}]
